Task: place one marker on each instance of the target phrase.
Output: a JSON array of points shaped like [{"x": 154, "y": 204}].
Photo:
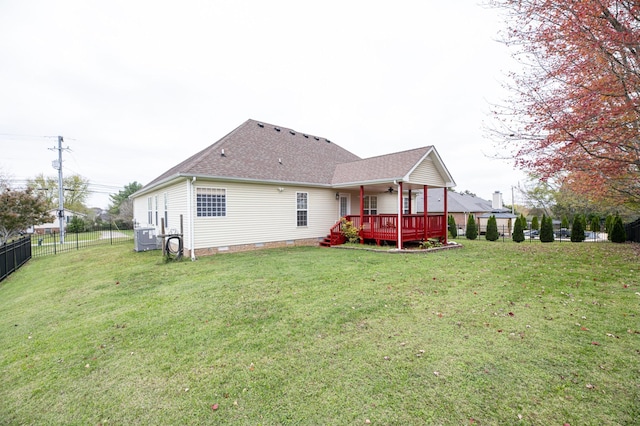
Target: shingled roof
[
  {"x": 257, "y": 151},
  {"x": 262, "y": 152},
  {"x": 382, "y": 168}
]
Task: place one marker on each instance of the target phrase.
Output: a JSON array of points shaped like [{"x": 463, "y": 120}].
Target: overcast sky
[{"x": 134, "y": 87}]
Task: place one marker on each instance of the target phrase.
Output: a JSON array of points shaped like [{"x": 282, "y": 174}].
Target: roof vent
[
  {"x": 328, "y": 141},
  {"x": 280, "y": 160},
  {"x": 292, "y": 132},
  {"x": 306, "y": 136},
  {"x": 277, "y": 129},
  {"x": 222, "y": 153},
  {"x": 316, "y": 138},
  {"x": 260, "y": 125}
]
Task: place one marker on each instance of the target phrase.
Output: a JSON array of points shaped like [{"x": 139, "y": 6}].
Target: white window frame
[
  {"x": 302, "y": 209},
  {"x": 150, "y": 210},
  {"x": 166, "y": 210},
  {"x": 211, "y": 202},
  {"x": 370, "y": 204}
]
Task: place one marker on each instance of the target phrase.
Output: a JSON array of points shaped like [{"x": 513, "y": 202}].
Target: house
[
  {"x": 54, "y": 227},
  {"x": 460, "y": 206},
  {"x": 264, "y": 185},
  {"x": 504, "y": 218}
]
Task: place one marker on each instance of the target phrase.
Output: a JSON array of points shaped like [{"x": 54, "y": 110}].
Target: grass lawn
[{"x": 493, "y": 333}]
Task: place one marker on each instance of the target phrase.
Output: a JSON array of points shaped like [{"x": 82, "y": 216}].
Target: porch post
[
  {"x": 362, "y": 211},
  {"x": 424, "y": 211},
  {"x": 399, "y": 229},
  {"x": 445, "y": 222},
  {"x": 409, "y": 201}
]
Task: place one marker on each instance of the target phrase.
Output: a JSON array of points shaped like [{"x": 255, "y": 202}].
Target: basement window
[{"x": 211, "y": 202}]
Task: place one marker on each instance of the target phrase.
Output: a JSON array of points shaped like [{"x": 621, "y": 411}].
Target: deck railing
[{"x": 384, "y": 227}]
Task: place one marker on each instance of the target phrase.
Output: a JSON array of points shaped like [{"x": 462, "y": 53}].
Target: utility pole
[{"x": 57, "y": 164}]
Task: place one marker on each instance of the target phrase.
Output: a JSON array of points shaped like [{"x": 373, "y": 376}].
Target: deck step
[{"x": 326, "y": 242}]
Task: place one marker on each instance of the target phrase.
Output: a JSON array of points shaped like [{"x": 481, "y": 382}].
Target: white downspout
[{"x": 191, "y": 219}]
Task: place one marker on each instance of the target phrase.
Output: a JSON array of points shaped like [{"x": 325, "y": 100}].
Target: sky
[{"x": 135, "y": 87}]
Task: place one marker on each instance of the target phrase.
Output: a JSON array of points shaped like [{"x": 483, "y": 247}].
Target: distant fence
[
  {"x": 559, "y": 234},
  {"x": 633, "y": 231},
  {"x": 13, "y": 255},
  {"x": 49, "y": 244}
]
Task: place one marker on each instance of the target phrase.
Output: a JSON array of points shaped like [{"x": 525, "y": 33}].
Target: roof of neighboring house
[
  {"x": 264, "y": 152},
  {"x": 499, "y": 214},
  {"x": 456, "y": 203},
  {"x": 258, "y": 151}
]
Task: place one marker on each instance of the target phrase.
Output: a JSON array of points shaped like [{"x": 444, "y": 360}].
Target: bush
[
  {"x": 453, "y": 230},
  {"x": 618, "y": 234},
  {"x": 350, "y": 232},
  {"x": 546, "y": 230},
  {"x": 518, "y": 232},
  {"x": 76, "y": 225},
  {"x": 492, "y": 229},
  {"x": 523, "y": 222},
  {"x": 577, "y": 229},
  {"x": 472, "y": 228},
  {"x": 535, "y": 225},
  {"x": 608, "y": 225}
]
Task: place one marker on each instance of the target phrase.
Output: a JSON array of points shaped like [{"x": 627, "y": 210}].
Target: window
[
  {"x": 211, "y": 202},
  {"x": 405, "y": 205},
  {"x": 149, "y": 210},
  {"x": 156, "y": 199},
  {"x": 166, "y": 212},
  {"x": 370, "y": 204},
  {"x": 301, "y": 208}
]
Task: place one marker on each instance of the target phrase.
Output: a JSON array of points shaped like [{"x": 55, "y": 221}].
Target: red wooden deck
[{"x": 384, "y": 227}]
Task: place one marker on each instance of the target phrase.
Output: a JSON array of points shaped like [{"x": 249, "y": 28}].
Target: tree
[
  {"x": 492, "y": 229},
  {"x": 575, "y": 110},
  {"x": 76, "y": 225},
  {"x": 608, "y": 225},
  {"x": 76, "y": 191},
  {"x": 453, "y": 229},
  {"x": 595, "y": 224},
  {"x": 618, "y": 234},
  {"x": 518, "y": 232},
  {"x": 472, "y": 228},
  {"x": 577, "y": 229},
  {"x": 564, "y": 223},
  {"x": 534, "y": 223},
  {"x": 546, "y": 230},
  {"x": 121, "y": 208},
  {"x": 19, "y": 210}
]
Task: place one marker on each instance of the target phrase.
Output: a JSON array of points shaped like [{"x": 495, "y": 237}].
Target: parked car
[
  {"x": 534, "y": 233},
  {"x": 563, "y": 233}
]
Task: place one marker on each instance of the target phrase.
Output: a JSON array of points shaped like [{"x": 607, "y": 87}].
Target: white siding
[
  {"x": 263, "y": 213},
  {"x": 427, "y": 174}
]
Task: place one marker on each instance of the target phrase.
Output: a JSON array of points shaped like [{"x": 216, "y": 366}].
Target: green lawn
[{"x": 493, "y": 333}]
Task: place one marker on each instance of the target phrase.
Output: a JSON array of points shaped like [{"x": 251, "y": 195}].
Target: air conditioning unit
[{"x": 145, "y": 239}]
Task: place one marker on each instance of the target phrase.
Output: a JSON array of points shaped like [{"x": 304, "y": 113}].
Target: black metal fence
[
  {"x": 559, "y": 234},
  {"x": 633, "y": 231},
  {"x": 50, "y": 243},
  {"x": 13, "y": 255}
]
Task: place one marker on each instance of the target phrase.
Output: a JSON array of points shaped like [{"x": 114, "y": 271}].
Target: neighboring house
[
  {"x": 263, "y": 185},
  {"x": 504, "y": 218},
  {"x": 460, "y": 206},
  {"x": 54, "y": 227}
]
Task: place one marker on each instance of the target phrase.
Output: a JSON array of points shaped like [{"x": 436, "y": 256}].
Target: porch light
[{"x": 337, "y": 195}]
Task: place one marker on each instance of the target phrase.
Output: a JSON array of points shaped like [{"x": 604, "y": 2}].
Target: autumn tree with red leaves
[{"x": 575, "y": 114}]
